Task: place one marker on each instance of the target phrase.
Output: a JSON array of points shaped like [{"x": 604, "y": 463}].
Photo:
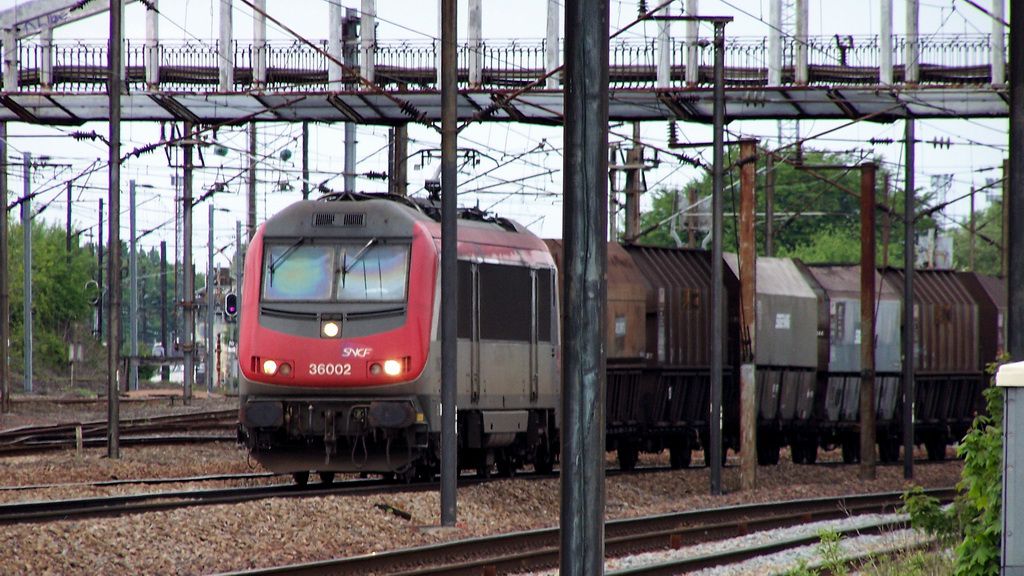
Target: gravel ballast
[{"x": 210, "y": 539}]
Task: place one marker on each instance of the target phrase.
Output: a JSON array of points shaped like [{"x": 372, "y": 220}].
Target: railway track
[
  {"x": 150, "y": 430},
  {"x": 539, "y": 549}
]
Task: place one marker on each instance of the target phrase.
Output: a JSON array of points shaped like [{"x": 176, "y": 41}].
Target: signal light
[{"x": 231, "y": 304}]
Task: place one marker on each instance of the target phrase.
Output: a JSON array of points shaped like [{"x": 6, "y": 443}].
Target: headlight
[
  {"x": 330, "y": 329},
  {"x": 392, "y": 367},
  {"x": 270, "y": 367}
]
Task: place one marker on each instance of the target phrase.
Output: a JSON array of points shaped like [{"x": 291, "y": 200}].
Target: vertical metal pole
[
  {"x": 769, "y": 205},
  {"x": 165, "y": 370},
  {"x": 399, "y": 179},
  {"x": 1004, "y": 258},
  {"x": 188, "y": 291},
  {"x": 885, "y": 43},
  {"x": 909, "y": 216},
  {"x": 449, "y": 266},
  {"x": 1013, "y": 424},
  {"x": 239, "y": 255},
  {"x": 634, "y": 183},
  {"x": 998, "y": 43},
  {"x": 5, "y": 280},
  {"x": 476, "y": 22},
  {"x": 305, "y": 160},
  {"x": 748, "y": 295},
  {"x": 368, "y": 37},
  {"x": 801, "y": 72},
  {"x": 26, "y": 234},
  {"x": 971, "y": 230},
  {"x": 692, "y": 60},
  {"x": 153, "y": 44},
  {"x": 583, "y": 316},
  {"x": 350, "y": 50},
  {"x": 225, "y": 48},
  {"x": 717, "y": 285},
  {"x": 912, "y": 69},
  {"x": 133, "y": 293},
  {"x": 886, "y": 222},
  {"x": 114, "y": 261},
  {"x": 867, "y": 321},
  {"x": 551, "y": 45},
  {"x": 67, "y": 227},
  {"x": 99, "y": 275},
  {"x": 691, "y": 219},
  {"x": 775, "y": 43},
  {"x": 251, "y": 203},
  {"x": 210, "y": 304}
]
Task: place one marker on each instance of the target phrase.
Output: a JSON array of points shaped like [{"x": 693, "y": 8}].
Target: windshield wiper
[
  {"x": 359, "y": 255},
  {"x": 284, "y": 255}
]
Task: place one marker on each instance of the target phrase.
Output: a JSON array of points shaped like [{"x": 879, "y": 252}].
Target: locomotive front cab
[{"x": 334, "y": 335}]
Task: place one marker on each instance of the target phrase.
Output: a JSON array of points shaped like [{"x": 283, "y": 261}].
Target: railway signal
[{"x": 231, "y": 304}]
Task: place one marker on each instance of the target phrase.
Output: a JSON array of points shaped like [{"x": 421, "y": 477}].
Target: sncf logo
[{"x": 351, "y": 352}]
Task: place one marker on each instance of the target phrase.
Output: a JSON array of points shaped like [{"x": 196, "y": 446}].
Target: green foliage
[
  {"x": 988, "y": 224},
  {"x": 831, "y": 550},
  {"x": 59, "y": 299},
  {"x": 981, "y": 486},
  {"x": 928, "y": 515},
  {"x": 816, "y": 220}
]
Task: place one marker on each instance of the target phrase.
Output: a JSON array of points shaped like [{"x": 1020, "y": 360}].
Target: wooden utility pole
[
  {"x": 748, "y": 294},
  {"x": 867, "y": 321}
]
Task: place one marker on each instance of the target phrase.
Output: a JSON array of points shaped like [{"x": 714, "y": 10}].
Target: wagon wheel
[
  {"x": 680, "y": 453},
  {"x": 628, "y": 456},
  {"x": 301, "y": 478}
]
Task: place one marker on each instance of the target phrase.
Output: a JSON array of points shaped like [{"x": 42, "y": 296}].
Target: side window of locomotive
[
  {"x": 376, "y": 273},
  {"x": 297, "y": 272},
  {"x": 466, "y": 297},
  {"x": 505, "y": 302},
  {"x": 545, "y": 292}
]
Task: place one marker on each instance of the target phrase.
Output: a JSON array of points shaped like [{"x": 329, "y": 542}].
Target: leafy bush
[{"x": 973, "y": 524}]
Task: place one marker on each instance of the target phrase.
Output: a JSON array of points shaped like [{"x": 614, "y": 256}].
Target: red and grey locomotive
[{"x": 339, "y": 343}]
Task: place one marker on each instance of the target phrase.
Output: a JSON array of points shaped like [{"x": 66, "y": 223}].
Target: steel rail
[{"x": 523, "y": 551}]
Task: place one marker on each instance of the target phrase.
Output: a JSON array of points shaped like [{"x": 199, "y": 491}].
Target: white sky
[{"x": 976, "y": 154}]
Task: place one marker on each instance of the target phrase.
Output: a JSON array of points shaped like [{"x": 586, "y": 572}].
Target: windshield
[
  {"x": 364, "y": 271},
  {"x": 298, "y": 273},
  {"x": 376, "y": 272}
]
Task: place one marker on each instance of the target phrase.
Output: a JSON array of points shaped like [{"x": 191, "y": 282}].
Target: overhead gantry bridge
[{"x": 349, "y": 77}]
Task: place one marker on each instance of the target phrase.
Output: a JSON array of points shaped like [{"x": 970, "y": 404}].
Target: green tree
[
  {"x": 988, "y": 224},
  {"x": 816, "y": 220},
  {"x": 59, "y": 298}
]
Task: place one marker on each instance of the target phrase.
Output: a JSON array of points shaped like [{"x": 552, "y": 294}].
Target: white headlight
[
  {"x": 270, "y": 367},
  {"x": 392, "y": 367},
  {"x": 330, "y": 329}
]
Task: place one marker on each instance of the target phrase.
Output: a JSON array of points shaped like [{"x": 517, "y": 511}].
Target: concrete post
[
  {"x": 885, "y": 43},
  {"x": 5, "y": 281},
  {"x": 368, "y": 38},
  {"x": 259, "y": 44},
  {"x": 46, "y": 58},
  {"x": 225, "y": 49},
  {"x": 10, "y": 47},
  {"x": 551, "y": 45},
  {"x": 153, "y": 44},
  {"x": 665, "y": 50},
  {"x": 801, "y": 73},
  {"x": 998, "y": 43},
  {"x": 350, "y": 51},
  {"x": 748, "y": 314},
  {"x": 912, "y": 65},
  {"x": 211, "y": 302},
  {"x": 775, "y": 42},
  {"x": 692, "y": 60},
  {"x": 475, "y": 46},
  {"x": 334, "y": 71},
  {"x": 1011, "y": 378}
]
